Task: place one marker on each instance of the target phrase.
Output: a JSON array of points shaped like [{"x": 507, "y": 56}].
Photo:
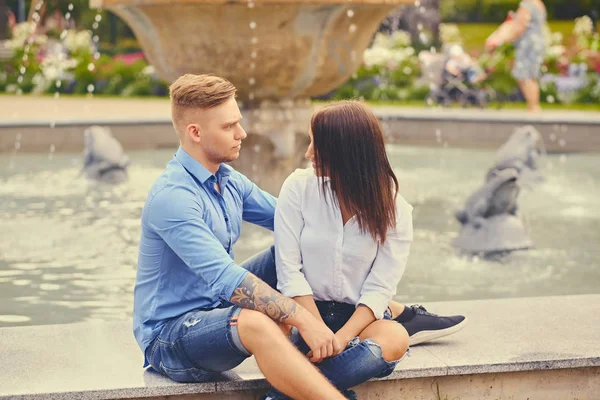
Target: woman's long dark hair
[{"x": 349, "y": 149}]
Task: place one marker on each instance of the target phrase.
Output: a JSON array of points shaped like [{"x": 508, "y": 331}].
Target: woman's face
[{"x": 310, "y": 152}]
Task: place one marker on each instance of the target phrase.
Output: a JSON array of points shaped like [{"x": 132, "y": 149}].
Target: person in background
[{"x": 525, "y": 29}]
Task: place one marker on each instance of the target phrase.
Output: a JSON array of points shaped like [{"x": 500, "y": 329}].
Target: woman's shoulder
[
  {"x": 301, "y": 176},
  {"x": 403, "y": 207}
]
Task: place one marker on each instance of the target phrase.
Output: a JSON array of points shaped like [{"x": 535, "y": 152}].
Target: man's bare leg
[{"x": 282, "y": 364}]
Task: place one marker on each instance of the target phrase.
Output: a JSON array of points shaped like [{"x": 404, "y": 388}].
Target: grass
[
  {"x": 494, "y": 106},
  {"x": 475, "y": 34}
]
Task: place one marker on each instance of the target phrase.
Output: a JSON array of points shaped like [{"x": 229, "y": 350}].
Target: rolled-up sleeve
[
  {"x": 289, "y": 223},
  {"x": 175, "y": 214},
  {"x": 390, "y": 263}
]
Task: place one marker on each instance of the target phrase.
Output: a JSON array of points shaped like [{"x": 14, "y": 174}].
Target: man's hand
[
  {"x": 322, "y": 341},
  {"x": 343, "y": 339}
]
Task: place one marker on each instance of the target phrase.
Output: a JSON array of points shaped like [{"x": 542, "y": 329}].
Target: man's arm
[
  {"x": 254, "y": 294},
  {"x": 259, "y": 206}
]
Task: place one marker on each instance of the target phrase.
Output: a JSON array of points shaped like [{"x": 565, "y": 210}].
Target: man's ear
[{"x": 193, "y": 132}]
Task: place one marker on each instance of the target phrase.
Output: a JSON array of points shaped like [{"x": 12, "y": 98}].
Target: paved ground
[
  {"x": 17, "y": 110},
  {"x": 101, "y": 360}
]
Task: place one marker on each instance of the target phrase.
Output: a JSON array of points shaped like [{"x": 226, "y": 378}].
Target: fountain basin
[{"x": 268, "y": 49}]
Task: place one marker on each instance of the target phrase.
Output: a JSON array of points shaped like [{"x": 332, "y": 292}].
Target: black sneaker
[{"x": 426, "y": 326}]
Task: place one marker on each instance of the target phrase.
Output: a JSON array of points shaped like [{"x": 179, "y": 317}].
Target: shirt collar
[{"x": 198, "y": 170}]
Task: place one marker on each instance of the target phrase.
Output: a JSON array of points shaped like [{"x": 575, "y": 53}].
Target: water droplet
[
  {"x": 254, "y": 40},
  {"x": 95, "y": 39},
  {"x": 350, "y": 13},
  {"x": 252, "y": 25},
  {"x": 68, "y": 15},
  {"x": 20, "y": 79},
  {"x": 91, "y": 67},
  {"x": 98, "y": 18},
  {"x": 550, "y": 99},
  {"x": 352, "y": 28},
  {"x": 90, "y": 88},
  {"x": 251, "y": 81},
  {"x": 25, "y": 57},
  {"x": 95, "y": 25},
  {"x": 70, "y": 7}
]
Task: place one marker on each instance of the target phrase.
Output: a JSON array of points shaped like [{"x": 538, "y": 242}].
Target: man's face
[{"x": 220, "y": 133}]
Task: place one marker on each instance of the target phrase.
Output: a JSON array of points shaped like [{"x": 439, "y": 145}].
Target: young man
[{"x": 197, "y": 312}]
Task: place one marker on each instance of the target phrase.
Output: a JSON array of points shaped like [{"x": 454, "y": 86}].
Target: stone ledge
[{"x": 504, "y": 337}]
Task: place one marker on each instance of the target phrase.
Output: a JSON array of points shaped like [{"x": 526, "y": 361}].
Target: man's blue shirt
[{"x": 188, "y": 232}]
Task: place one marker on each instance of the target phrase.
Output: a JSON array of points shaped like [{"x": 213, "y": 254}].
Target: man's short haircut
[{"x": 191, "y": 91}]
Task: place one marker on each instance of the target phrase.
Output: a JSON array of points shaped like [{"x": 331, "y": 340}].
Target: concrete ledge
[
  {"x": 42, "y": 122},
  {"x": 522, "y": 346}
]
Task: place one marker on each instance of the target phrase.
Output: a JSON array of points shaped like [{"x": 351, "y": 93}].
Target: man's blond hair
[{"x": 192, "y": 92}]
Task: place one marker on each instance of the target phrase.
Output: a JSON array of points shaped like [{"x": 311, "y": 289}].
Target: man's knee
[
  {"x": 390, "y": 336},
  {"x": 254, "y": 326}
]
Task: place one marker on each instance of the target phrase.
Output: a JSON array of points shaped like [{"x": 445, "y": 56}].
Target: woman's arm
[
  {"x": 289, "y": 223},
  {"x": 389, "y": 264},
  {"x": 362, "y": 317}
]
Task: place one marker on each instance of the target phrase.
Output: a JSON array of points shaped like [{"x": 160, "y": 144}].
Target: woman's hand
[{"x": 343, "y": 340}]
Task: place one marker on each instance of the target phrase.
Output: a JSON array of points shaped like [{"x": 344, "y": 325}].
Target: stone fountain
[{"x": 278, "y": 53}]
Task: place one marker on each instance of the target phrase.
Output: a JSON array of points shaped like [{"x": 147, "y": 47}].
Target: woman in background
[{"x": 526, "y": 30}]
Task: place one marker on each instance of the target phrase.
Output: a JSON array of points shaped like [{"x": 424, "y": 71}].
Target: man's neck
[{"x": 202, "y": 159}]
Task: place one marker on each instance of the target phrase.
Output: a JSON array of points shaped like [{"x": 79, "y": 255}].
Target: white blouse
[{"x": 316, "y": 254}]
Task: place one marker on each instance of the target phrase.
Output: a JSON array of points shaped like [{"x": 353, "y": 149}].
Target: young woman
[
  {"x": 342, "y": 238},
  {"x": 526, "y": 30}
]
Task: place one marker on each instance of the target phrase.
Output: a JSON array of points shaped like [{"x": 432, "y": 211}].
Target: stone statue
[
  {"x": 104, "y": 159},
  {"x": 521, "y": 152},
  {"x": 490, "y": 221}
]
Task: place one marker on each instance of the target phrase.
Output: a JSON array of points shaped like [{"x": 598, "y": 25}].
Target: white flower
[
  {"x": 557, "y": 38},
  {"x": 449, "y": 33},
  {"x": 377, "y": 56},
  {"x": 583, "y": 26},
  {"x": 54, "y": 67},
  {"x": 382, "y": 41},
  {"x": 79, "y": 41},
  {"x": 400, "y": 38},
  {"x": 149, "y": 70},
  {"x": 23, "y": 33},
  {"x": 555, "y": 51}
]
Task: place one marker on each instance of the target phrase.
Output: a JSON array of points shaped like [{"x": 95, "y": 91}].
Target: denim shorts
[{"x": 198, "y": 345}]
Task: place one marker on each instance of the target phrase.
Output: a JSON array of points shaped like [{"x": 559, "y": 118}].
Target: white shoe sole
[{"x": 427, "y": 336}]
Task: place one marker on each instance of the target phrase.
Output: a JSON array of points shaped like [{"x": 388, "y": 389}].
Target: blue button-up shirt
[{"x": 188, "y": 232}]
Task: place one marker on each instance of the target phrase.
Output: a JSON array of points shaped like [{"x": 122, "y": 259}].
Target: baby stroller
[{"x": 459, "y": 81}]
